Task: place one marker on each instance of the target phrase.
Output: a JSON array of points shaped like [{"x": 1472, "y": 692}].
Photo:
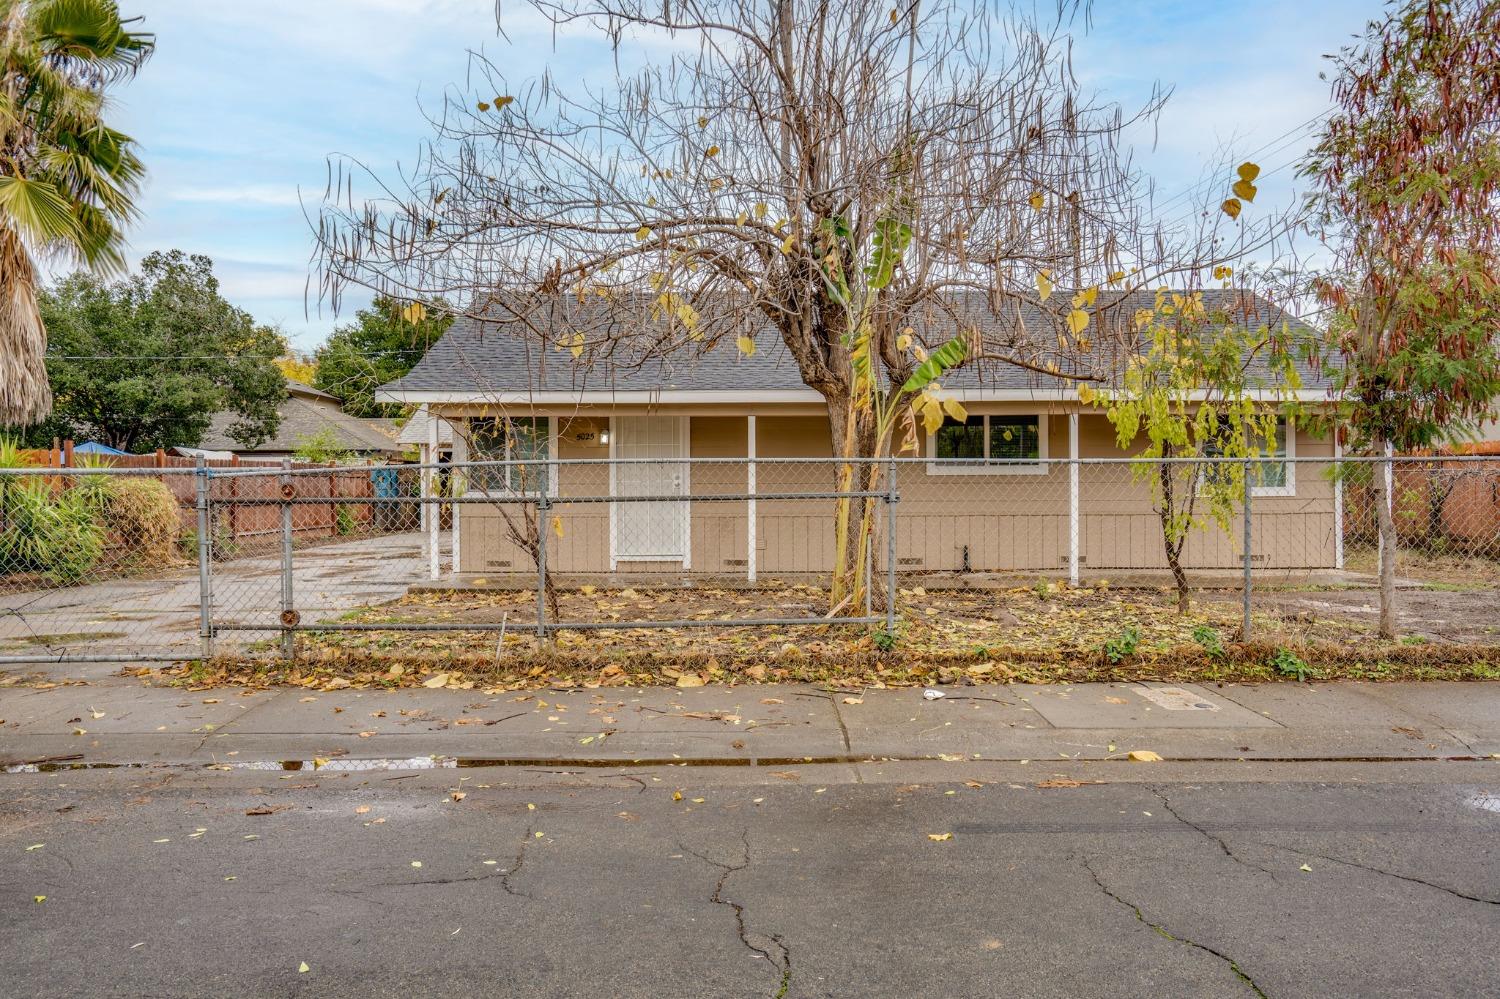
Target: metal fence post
[
  {"x": 891, "y": 496},
  {"x": 288, "y": 596},
  {"x": 542, "y": 507},
  {"x": 1245, "y": 623},
  {"x": 205, "y": 561}
]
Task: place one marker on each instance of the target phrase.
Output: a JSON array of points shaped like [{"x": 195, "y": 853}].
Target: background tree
[
  {"x": 147, "y": 361},
  {"x": 68, "y": 181},
  {"x": 382, "y": 344},
  {"x": 1407, "y": 175}
]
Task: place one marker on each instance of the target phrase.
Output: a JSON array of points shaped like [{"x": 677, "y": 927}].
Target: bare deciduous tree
[{"x": 865, "y": 183}]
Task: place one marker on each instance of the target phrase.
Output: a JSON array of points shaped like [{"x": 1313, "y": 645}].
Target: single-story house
[
  {"x": 306, "y": 413},
  {"x": 983, "y": 502}
]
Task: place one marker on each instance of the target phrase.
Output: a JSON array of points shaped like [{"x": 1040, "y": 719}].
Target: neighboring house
[
  {"x": 417, "y": 434},
  {"x": 306, "y": 413},
  {"x": 510, "y": 399}
]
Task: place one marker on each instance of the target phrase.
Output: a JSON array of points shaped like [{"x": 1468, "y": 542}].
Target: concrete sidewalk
[{"x": 748, "y": 725}]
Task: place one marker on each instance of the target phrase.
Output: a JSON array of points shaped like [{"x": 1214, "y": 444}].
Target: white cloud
[{"x": 240, "y": 194}]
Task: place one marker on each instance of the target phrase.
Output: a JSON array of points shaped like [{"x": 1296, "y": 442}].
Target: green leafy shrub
[
  {"x": 1288, "y": 663},
  {"x": 1207, "y": 638},
  {"x": 54, "y": 534},
  {"x": 1123, "y": 645},
  {"x": 343, "y": 521}
]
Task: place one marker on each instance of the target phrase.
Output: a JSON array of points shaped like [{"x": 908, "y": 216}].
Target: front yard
[{"x": 1043, "y": 633}]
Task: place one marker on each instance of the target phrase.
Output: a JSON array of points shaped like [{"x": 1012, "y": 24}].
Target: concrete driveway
[{"x": 158, "y": 615}]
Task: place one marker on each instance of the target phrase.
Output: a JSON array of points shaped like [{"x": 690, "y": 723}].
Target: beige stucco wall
[{"x": 982, "y": 522}]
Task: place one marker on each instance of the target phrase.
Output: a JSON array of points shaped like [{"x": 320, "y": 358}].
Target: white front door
[{"x": 652, "y": 530}]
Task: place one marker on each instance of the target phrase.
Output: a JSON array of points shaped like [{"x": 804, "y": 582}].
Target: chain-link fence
[{"x": 173, "y": 564}]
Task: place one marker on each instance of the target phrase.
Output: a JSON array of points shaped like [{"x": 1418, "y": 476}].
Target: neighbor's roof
[
  {"x": 416, "y": 430},
  {"x": 482, "y": 361},
  {"x": 303, "y": 416}
]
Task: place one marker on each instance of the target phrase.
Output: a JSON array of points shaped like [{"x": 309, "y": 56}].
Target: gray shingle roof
[
  {"x": 301, "y": 417},
  {"x": 483, "y": 358}
]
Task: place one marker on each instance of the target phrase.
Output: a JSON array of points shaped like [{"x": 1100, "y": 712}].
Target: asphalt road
[{"x": 1232, "y": 880}]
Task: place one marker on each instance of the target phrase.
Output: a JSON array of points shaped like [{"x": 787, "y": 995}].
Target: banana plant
[{"x": 867, "y": 400}]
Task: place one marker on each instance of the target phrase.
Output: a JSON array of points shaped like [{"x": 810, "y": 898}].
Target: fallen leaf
[
  {"x": 35, "y": 846},
  {"x": 458, "y": 795},
  {"x": 39, "y": 899},
  {"x": 416, "y": 863},
  {"x": 1304, "y": 867},
  {"x": 302, "y": 968},
  {"x": 689, "y": 680},
  {"x": 854, "y": 700},
  {"x": 1143, "y": 756},
  {"x": 940, "y": 837},
  {"x": 436, "y": 680}
]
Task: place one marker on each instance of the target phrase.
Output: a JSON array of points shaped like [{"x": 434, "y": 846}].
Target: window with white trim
[
  {"x": 989, "y": 444},
  {"x": 511, "y": 438},
  {"x": 1269, "y": 476}
]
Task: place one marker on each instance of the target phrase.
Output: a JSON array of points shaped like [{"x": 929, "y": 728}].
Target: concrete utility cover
[
  {"x": 1177, "y": 699},
  {"x": 1139, "y": 705}
]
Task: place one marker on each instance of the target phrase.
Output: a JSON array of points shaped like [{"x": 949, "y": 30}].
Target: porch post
[
  {"x": 1073, "y": 499},
  {"x": 429, "y": 491},
  {"x": 458, "y": 484},
  {"x": 1338, "y": 504},
  {"x": 750, "y": 489}
]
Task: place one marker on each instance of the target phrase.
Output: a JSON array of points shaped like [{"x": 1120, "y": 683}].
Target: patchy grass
[
  {"x": 944, "y": 636},
  {"x": 1440, "y": 572}
]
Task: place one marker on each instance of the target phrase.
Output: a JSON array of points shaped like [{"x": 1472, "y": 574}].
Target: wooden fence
[{"x": 244, "y": 524}]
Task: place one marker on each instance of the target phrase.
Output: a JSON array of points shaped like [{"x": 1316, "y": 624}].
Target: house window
[
  {"x": 989, "y": 445},
  {"x": 1270, "y": 477},
  {"x": 1276, "y": 477},
  {"x": 513, "y": 438}
]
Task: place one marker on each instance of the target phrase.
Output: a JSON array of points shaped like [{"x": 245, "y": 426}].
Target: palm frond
[{"x": 39, "y": 212}]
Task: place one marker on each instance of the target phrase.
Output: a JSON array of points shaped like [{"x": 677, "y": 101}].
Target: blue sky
[{"x": 243, "y": 102}]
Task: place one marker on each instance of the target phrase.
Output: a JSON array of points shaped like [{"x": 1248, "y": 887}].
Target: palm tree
[{"x": 67, "y": 180}]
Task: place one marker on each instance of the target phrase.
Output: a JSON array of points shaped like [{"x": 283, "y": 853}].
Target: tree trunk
[
  {"x": 1172, "y": 546},
  {"x": 1384, "y": 480},
  {"x": 25, "y": 393},
  {"x": 855, "y": 525}
]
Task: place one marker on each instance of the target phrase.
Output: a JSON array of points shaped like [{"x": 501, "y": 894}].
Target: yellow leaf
[
  {"x": 500, "y": 102},
  {"x": 1231, "y": 208},
  {"x": 761, "y": 209},
  {"x": 932, "y": 416},
  {"x": 302, "y": 968},
  {"x": 746, "y": 345},
  {"x": 414, "y": 313},
  {"x": 940, "y": 837},
  {"x": 702, "y": 122},
  {"x": 1222, "y": 272},
  {"x": 955, "y": 410},
  {"x": 788, "y": 243},
  {"x": 740, "y": 218},
  {"x": 585, "y": 740},
  {"x": 676, "y": 795},
  {"x": 557, "y": 526},
  {"x": 1117, "y": 277},
  {"x": 1037, "y": 199},
  {"x": 416, "y": 863},
  {"x": 1244, "y": 189},
  {"x": 643, "y": 233},
  {"x": 689, "y": 680},
  {"x": 435, "y": 681},
  {"x": 483, "y": 105},
  {"x": 1086, "y": 394},
  {"x": 903, "y": 341},
  {"x": 1248, "y": 172},
  {"x": 588, "y": 591},
  {"x": 39, "y": 899},
  {"x": 711, "y": 151},
  {"x": 1078, "y": 321},
  {"x": 1044, "y": 285},
  {"x": 1306, "y": 868},
  {"x": 1143, "y": 756}
]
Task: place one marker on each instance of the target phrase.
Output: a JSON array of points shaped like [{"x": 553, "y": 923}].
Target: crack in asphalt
[
  {"x": 1222, "y": 843},
  {"x": 1390, "y": 874},
  {"x": 1233, "y": 965},
  {"x": 515, "y": 867},
  {"x": 784, "y": 963}
]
